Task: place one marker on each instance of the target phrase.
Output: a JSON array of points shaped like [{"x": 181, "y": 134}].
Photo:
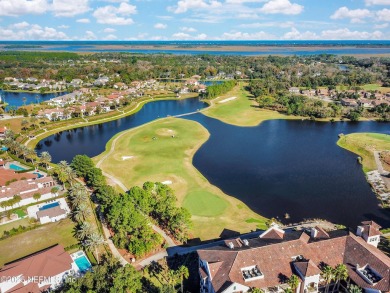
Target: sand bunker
[
  {"x": 227, "y": 100},
  {"x": 127, "y": 158},
  {"x": 167, "y": 182}
]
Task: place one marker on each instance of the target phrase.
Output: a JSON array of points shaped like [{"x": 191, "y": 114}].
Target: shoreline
[{"x": 37, "y": 138}]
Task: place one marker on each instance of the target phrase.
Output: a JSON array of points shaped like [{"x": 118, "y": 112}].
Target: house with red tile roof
[
  {"x": 266, "y": 262},
  {"x": 38, "y": 272},
  {"x": 26, "y": 190}
]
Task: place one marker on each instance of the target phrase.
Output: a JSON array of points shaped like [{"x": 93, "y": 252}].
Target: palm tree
[
  {"x": 82, "y": 212},
  {"x": 293, "y": 281},
  {"x": 84, "y": 231},
  {"x": 327, "y": 274},
  {"x": 24, "y": 99},
  {"x": 78, "y": 194},
  {"x": 71, "y": 174},
  {"x": 340, "y": 274},
  {"x": 31, "y": 155},
  {"x": 182, "y": 273},
  {"x": 93, "y": 242},
  {"x": 354, "y": 289},
  {"x": 45, "y": 158}
]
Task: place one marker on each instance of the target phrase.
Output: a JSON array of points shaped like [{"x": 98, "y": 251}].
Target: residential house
[
  {"x": 349, "y": 102},
  {"x": 120, "y": 86},
  {"x": 3, "y": 131},
  {"x": 56, "y": 114},
  {"x": 366, "y": 103},
  {"x": 63, "y": 100},
  {"x": 101, "y": 81},
  {"x": 191, "y": 82},
  {"x": 294, "y": 90},
  {"x": 6, "y": 175},
  {"x": 38, "y": 272},
  {"x": 379, "y": 102},
  {"x": 266, "y": 262},
  {"x": 26, "y": 190},
  {"x": 49, "y": 212}
]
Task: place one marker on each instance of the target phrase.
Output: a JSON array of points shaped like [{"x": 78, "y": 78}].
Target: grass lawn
[
  {"x": 376, "y": 87},
  {"x": 242, "y": 111},
  {"x": 23, "y": 222},
  {"x": 364, "y": 144},
  {"x": 29, "y": 242},
  {"x": 137, "y": 157}
]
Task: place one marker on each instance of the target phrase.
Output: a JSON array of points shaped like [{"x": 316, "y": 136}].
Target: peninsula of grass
[
  {"x": 364, "y": 145},
  {"x": 162, "y": 151},
  {"x": 63, "y": 125},
  {"x": 26, "y": 243},
  {"x": 242, "y": 110}
]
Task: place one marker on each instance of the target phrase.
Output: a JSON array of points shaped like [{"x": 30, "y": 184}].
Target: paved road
[{"x": 379, "y": 163}]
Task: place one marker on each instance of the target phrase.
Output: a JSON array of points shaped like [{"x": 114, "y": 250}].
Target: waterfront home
[
  {"x": 39, "y": 272},
  {"x": 26, "y": 190},
  {"x": 380, "y": 102},
  {"x": 63, "y": 100},
  {"x": 49, "y": 212},
  {"x": 294, "y": 90},
  {"x": 266, "y": 262},
  {"x": 349, "y": 102},
  {"x": 366, "y": 103},
  {"x": 191, "y": 82},
  {"x": 7, "y": 175}
]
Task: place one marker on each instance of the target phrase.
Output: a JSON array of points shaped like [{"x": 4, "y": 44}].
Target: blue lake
[
  {"x": 16, "y": 98},
  {"x": 278, "y": 167}
]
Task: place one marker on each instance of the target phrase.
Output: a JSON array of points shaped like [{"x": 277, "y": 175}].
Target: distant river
[{"x": 278, "y": 167}]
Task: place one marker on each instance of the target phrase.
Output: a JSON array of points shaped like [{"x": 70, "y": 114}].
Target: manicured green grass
[
  {"x": 205, "y": 204},
  {"x": 20, "y": 213},
  {"x": 23, "y": 222},
  {"x": 375, "y": 87},
  {"x": 364, "y": 144},
  {"x": 29, "y": 242},
  {"x": 242, "y": 111},
  {"x": 168, "y": 158}
]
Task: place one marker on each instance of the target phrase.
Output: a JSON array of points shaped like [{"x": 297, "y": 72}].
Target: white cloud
[
  {"x": 89, "y": 35},
  {"x": 356, "y": 15},
  {"x": 69, "y": 8},
  {"x": 187, "y": 29},
  {"x": 248, "y": 36},
  {"x": 110, "y": 37},
  {"x": 286, "y": 24},
  {"x": 109, "y": 30},
  {"x": 377, "y": 2},
  {"x": 381, "y": 26},
  {"x": 83, "y": 20},
  {"x": 282, "y": 7},
  {"x": 31, "y": 32},
  {"x": 20, "y": 7},
  {"x": 63, "y": 26},
  {"x": 383, "y": 15},
  {"x": 184, "y": 36},
  {"x": 346, "y": 34},
  {"x": 115, "y": 15},
  {"x": 160, "y": 26},
  {"x": 20, "y": 25},
  {"x": 185, "y": 5},
  {"x": 294, "y": 34}
]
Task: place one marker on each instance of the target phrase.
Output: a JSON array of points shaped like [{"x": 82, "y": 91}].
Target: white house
[{"x": 49, "y": 212}]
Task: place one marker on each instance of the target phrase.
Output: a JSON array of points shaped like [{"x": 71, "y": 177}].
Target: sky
[{"x": 194, "y": 19}]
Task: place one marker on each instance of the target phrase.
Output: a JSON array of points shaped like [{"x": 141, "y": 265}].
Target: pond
[
  {"x": 17, "y": 98},
  {"x": 275, "y": 168}
]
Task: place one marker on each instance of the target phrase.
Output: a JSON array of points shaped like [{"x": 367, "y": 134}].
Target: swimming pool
[
  {"x": 16, "y": 167},
  {"x": 50, "y": 205},
  {"x": 39, "y": 174},
  {"x": 83, "y": 263}
]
